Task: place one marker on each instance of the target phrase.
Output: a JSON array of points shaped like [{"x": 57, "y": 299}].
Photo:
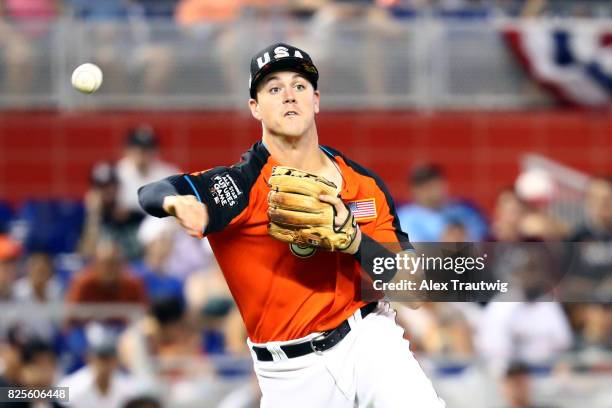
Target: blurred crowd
[
  {"x": 87, "y": 289},
  {"x": 127, "y": 309},
  {"x": 116, "y": 26},
  {"x": 521, "y": 336},
  {"x": 193, "y": 11}
]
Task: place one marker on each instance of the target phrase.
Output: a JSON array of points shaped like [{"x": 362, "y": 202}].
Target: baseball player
[{"x": 289, "y": 225}]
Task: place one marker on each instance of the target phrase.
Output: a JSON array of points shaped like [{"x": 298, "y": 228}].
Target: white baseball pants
[{"x": 371, "y": 367}]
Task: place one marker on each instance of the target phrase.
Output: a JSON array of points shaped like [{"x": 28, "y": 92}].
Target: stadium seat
[
  {"x": 52, "y": 226},
  {"x": 6, "y": 215}
]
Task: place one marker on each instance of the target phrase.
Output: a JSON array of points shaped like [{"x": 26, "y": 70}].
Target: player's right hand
[{"x": 190, "y": 213}]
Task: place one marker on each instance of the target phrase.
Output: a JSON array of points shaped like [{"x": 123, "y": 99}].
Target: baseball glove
[{"x": 298, "y": 216}]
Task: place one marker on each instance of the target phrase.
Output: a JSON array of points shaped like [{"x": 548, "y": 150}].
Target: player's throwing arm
[{"x": 189, "y": 212}]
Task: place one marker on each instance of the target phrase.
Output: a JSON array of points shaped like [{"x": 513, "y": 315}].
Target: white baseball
[{"x": 87, "y": 78}]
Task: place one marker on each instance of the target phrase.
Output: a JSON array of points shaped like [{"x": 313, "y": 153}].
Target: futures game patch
[{"x": 224, "y": 191}]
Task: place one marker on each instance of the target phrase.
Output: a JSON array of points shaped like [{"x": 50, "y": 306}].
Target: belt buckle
[{"x": 312, "y": 345}]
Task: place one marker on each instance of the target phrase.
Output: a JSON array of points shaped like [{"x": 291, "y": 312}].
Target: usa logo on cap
[
  {"x": 278, "y": 57},
  {"x": 279, "y": 52}
]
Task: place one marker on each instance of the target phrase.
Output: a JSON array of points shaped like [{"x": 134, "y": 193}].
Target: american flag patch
[{"x": 363, "y": 209}]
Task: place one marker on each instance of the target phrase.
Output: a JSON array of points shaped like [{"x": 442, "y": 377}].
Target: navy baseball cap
[
  {"x": 281, "y": 57},
  {"x": 143, "y": 136}
]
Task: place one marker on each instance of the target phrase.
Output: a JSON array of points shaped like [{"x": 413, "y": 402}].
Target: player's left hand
[
  {"x": 299, "y": 216},
  {"x": 342, "y": 213}
]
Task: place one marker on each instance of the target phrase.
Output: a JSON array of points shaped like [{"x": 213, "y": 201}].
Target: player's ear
[
  {"x": 254, "y": 106},
  {"x": 317, "y": 100}
]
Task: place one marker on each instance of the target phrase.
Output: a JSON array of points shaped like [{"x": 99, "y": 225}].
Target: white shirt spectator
[
  {"x": 23, "y": 291},
  {"x": 85, "y": 394},
  {"x": 186, "y": 255},
  {"x": 39, "y": 325},
  {"x": 531, "y": 332},
  {"x": 130, "y": 180}
]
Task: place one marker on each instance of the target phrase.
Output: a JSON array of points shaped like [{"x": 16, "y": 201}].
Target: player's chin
[{"x": 292, "y": 131}]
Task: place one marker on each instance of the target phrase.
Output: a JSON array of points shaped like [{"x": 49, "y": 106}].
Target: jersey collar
[{"x": 350, "y": 187}]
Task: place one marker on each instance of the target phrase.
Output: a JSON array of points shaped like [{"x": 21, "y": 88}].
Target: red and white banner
[{"x": 572, "y": 60}]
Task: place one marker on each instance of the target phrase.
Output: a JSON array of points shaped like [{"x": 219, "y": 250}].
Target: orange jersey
[{"x": 281, "y": 291}]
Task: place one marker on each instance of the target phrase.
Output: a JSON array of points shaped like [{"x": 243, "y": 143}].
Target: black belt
[{"x": 318, "y": 344}]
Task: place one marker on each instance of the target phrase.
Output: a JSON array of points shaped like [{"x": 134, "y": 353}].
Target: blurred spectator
[
  {"x": 38, "y": 288},
  {"x": 331, "y": 36},
  {"x": 508, "y": 212},
  {"x": 105, "y": 216},
  {"x": 598, "y": 209},
  {"x": 22, "y": 22},
  {"x": 140, "y": 165},
  {"x": 446, "y": 8},
  {"x": 541, "y": 226},
  {"x": 152, "y": 268},
  {"x": 17, "y": 56},
  {"x": 38, "y": 367},
  {"x": 304, "y": 9},
  {"x": 143, "y": 402},
  {"x": 159, "y": 341},
  {"x": 10, "y": 356},
  {"x": 9, "y": 255},
  {"x": 158, "y": 9},
  {"x": 106, "y": 279},
  {"x": 214, "y": 323},
  {"x": 534, "y": 332},
  {"x": 98, "y": 11},
  {"x": 536, "y": 187},
  {"x": 591, "y": 246},
  {"x": 100, "y": 384},
  {"x": 564, "y": 8},
  {"x": 427, "y": 217},
  {"x": 209, "y": 24},
  {"x": 484, "y": 8},
  {"x": 454, "y": 232},
  {"x": 33, "y": 366},
  {"x": 192, "y": 12},
  {"x": 516, "y": 386},
  {"x": 186, "y": 254},
  {"x": 200, "y": 287},
  {"x": 438, "y": 329},
  {"x": 125, "y": 42},
  {"x": 119, "y": 10},
  {"x": 593, "y": 326},
  {"x": 533, "y": 8},
  {"x": 235, "y": 334},
  {"x": 39, "y": 285},
  {"x": 31, "y": 10},
  {"x": 533, "y": 270}
]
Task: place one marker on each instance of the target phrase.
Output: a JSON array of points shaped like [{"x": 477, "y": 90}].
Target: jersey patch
[
  {"x": 363, "y": 209},
  {"x": 224, "y": 190}
]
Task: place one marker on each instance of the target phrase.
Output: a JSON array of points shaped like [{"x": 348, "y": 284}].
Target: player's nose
[{"x": 289, "y": 95}]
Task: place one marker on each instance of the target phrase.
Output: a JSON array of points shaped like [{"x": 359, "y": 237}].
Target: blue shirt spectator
[
  {"x": 428, "y": 216},
  {"x": 158, "y": 285},
  {"x": 162, "y": 9},
  {"x": 101, "y": 10}
]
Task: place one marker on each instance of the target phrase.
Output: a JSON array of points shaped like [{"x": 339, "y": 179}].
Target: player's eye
[
  {"x": 274, "y": 90},
  {"x": 300, "y": 87}
]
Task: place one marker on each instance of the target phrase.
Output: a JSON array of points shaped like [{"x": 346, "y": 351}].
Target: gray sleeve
[{"x": 151, "y": 196}]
